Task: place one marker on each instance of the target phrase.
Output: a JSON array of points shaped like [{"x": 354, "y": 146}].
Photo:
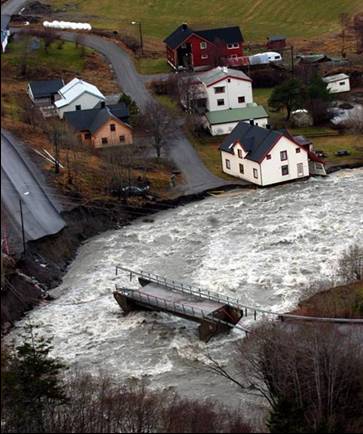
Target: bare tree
[
  {"x": 311, "y": 376},
  {"x": 351, "y": 264},
  {"x": 358, "y": 30},
  {"x": 158, "y": 125}
]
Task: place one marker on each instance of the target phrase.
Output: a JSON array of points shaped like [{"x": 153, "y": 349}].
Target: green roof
[{"x": 235, "y": 115}]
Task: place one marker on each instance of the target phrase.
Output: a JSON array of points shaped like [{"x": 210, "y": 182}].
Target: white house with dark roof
[
  {"x": 263, "y": 156},
  {"x": 78, "y": 95},
  {"x": 337, "y": 83}
]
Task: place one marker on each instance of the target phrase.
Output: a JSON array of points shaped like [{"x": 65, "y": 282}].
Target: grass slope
[{"x": 257, "y": 18}]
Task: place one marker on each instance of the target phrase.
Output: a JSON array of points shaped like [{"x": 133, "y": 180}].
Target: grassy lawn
[
  {"x": 171, "y": 104},
  {"x": 147, "y": 65},
  {"x": 257, "y": 19},
  {"x": 60, "y": 56},
  {"x": 330, "y": 145},
  {"x": 207, "y": 148}
]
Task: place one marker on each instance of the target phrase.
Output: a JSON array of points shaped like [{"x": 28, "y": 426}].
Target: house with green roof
[
  {"x": 223, "y": 121},
  {"x": 224, "y": 96}
]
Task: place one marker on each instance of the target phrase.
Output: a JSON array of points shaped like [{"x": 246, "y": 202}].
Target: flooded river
[{"x": 262, "y": 246}]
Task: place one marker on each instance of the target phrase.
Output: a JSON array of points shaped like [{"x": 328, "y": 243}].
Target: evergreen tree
[
  {"x": 289, "y": 95},
  {"x": 30, "y": 384}
]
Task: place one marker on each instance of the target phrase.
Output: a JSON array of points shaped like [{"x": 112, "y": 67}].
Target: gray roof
[
  {"x": 45, "y": 88},
  {"x": 276, "y": 38},
  {"x": 5, "y": 19},
  {"x": 220, "y": 73},
  {"x": 91, "y": 120},
  {"x": 256, "y": 141},
  {"x": 336, "y": 77}
]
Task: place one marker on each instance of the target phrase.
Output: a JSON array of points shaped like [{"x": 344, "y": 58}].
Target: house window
[
  {"x": 235, "y": 45},
  {"x": 342, "y": 83},
  {"x": 104, "y": 140},
  {"x": 239, "y": 151},
  {"x": 228, "y": 164},
  {"x": 241, "y": 99},
  {"x": 122, "y": 139},
  {"x": 241, "y": 169},
  {"x": 298, "y": 150},
  {"x": 284, "y": 170},
  {"x": 283, "y": 155},
  {"x": 204, "y": 56},
  {"x": 220, "y": 101},
  {"x": 203, "y": 45},
  {"x": 219, "y": 89},
  {"x": 112, "y": 127},
  {"x": 268, "y": 157},
  {"x": 78, "y": 107},
  {"x": 87, "y": 136},
  {"x": 255, "y": 173}
]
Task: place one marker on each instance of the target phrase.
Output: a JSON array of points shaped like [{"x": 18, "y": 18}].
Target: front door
[{"x": 300, "y": 170}]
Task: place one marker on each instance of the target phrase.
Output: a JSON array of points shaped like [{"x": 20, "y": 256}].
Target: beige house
[{"x": 101, "y": 128}]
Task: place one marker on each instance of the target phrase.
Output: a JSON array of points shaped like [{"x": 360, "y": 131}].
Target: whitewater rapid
[{"x": 263, "y": 246}]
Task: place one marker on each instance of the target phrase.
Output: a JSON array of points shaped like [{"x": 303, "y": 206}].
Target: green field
[
  {"x": 57, "y": 59},
  {"x": 257, "y": 18}
]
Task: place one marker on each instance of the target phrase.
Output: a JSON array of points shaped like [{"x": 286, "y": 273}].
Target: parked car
[
  {"x": 342, "y": 153},
  {"x": 133, "y": 190}
]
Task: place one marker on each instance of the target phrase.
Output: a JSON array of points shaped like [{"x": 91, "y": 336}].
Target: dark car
[{"x": 342, "y": 153}]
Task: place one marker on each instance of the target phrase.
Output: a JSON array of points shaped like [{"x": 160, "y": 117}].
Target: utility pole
[
  {"x": 292, "y": 61},
  {"x": 140, "y": 35},
  {"x": 22, "y": 225}
]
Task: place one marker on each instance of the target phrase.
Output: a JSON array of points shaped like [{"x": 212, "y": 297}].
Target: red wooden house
[{"x": 201, "y": 48}]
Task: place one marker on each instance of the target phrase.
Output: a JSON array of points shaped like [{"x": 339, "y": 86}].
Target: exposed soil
[{"x": 344, "y": 301}]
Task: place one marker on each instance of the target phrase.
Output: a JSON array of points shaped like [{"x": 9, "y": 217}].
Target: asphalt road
[
  {"x": 22, "y": 181},
  {"x": 12, "y": 6},
  {"x": 196, "y": 176}
]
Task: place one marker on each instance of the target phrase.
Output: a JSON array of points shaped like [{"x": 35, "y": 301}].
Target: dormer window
[{"x": 239, "y": 152}]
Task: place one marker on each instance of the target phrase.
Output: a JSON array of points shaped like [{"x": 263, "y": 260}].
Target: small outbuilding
[
  {"x": 337, "y": 83},
  {"x": 44, "y": 91},
  {"x": 276, "y": 42}
]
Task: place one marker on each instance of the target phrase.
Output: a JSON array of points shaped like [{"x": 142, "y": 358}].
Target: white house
[
  {"x": 226, "y": 88},
  {"x": 337, "y": 83},
  {"x": 223, "y": 121},
  {"x": 5, "y": 32},
  {"x": 77, "y": 95},
  {"x": 263, "y": 156}
]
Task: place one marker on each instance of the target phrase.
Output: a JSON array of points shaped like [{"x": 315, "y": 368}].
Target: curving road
[
  {"x": 22, "y": 181},
  {"x": 197, "y": 177}
]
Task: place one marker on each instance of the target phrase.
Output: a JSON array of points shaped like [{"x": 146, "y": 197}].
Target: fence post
[{"x": 255, "y": 314}]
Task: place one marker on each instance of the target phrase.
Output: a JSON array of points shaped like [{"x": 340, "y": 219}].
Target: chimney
[
  {"x": 268, "y": 126},
  {"x": 184, "y": 26},
  {"x": 225, "y": 69},
  {"x": 252, "y": 122}
]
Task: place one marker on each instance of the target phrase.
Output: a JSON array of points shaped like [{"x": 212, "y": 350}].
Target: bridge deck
[{"x": 200, "y": 306}]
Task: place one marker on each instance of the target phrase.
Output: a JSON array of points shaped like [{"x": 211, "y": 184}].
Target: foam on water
[{"x": 262, "y": 247}]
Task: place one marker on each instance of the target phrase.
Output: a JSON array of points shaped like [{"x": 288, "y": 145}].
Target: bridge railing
[
  {"x": 206, "y": 294},
  {"x": 162, "y": 303}
]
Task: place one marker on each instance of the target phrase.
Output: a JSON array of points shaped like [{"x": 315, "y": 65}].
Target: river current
[{"x": 264, "y": 247}]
